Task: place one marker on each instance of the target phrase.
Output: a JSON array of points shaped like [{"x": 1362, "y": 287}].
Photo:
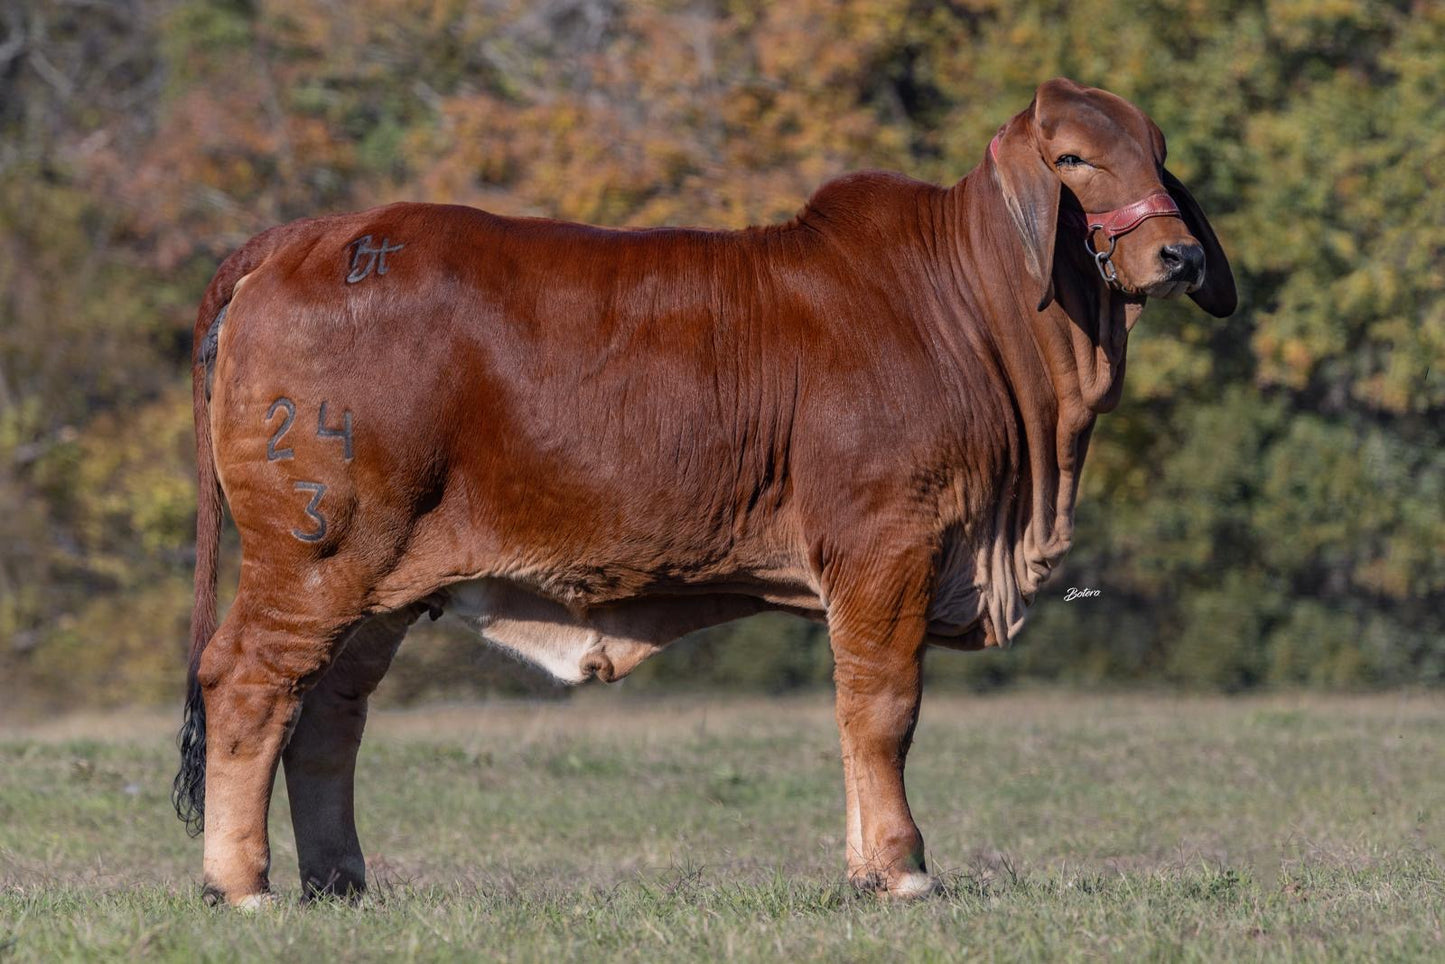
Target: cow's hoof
[
  {"x": 213, "y": 897},
  {"x": 347, "y": 888},
  {"x": 914, "y": 886},
  {"x": 252, "y": 903}
]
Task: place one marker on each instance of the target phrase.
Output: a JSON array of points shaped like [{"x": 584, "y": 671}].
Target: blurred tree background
[{"x": 1266, "y": 507}]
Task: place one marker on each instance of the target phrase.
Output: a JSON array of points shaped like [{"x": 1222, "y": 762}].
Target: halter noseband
[{"x": 1114, "y": 224}]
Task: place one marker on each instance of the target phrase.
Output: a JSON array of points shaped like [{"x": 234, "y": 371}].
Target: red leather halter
[{"x": 1114, "y": 224}]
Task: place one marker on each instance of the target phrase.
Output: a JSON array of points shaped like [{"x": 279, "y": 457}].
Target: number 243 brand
[{"x": 276, "y": 451}]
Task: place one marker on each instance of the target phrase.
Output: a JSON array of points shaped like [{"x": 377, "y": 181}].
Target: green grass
[{"x": 1067, "y": 827}]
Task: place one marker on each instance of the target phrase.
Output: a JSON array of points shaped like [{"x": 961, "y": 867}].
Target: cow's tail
[{"x": 189, "y": 789}]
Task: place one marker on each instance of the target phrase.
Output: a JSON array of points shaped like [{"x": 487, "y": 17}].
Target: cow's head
[{"x": 1088, "y": 166}]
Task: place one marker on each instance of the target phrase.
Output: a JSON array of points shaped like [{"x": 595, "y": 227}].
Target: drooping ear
[
  {"x": 1031, "y": 194},
  {"x": 1217, "y": 295}
]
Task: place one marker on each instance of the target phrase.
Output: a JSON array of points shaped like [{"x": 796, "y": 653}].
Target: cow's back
[{"x": 595, "y": 410}]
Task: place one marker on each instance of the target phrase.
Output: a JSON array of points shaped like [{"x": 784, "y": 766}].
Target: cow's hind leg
[
  {"x": 876, "y": 623},
  {"x": 253, "y": 675},
  {"x": 320, "y": 759}
]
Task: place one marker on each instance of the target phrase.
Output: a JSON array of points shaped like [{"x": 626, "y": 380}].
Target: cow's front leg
[
  {"x": 253, "y": 675},
  {"x": 876, "y": 626},
  {"x": 320, "y": 760}
]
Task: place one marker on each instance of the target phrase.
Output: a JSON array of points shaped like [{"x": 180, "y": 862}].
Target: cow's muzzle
[
  {"x": 1183, "y": 263},
  {"x": 1112, "y": 225}
]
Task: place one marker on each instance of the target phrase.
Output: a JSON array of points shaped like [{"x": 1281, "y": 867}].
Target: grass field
[{"x": 1067, "y": 827}]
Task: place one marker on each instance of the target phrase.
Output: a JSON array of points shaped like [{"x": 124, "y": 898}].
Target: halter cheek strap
[{"x": 1114, "y": 224}]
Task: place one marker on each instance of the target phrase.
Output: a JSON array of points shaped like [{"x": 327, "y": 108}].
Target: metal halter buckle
[{"x": 1101, "y": 258}]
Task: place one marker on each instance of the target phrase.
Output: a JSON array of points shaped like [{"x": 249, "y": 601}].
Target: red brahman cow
[{"x": 590, "y": 441}]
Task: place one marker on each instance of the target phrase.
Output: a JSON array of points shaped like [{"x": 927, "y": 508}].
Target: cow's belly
[{"x": 606, "y": 642}]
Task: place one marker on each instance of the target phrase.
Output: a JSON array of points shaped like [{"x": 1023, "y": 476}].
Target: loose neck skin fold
[{"x": 1060, "y": 378}]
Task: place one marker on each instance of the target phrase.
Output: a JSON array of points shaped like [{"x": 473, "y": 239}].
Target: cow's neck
[
  {"x": 1068, "y": 370},
  {"x": 1080, "y": 338}
]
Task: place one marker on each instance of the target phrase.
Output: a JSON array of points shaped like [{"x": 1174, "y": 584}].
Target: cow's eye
[{"x": 1069, "y": 160}]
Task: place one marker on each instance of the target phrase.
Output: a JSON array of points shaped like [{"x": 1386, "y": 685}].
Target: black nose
[{"x": 1183, "y": 262}]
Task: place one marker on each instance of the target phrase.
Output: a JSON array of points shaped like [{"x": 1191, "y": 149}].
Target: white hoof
[
  {"x": 255, "y": 902},
  {"x": 914, "y": 886}
]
